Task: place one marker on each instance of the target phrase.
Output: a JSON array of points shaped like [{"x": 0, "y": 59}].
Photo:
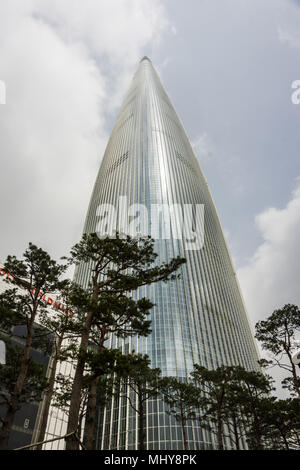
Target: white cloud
[
  {"x": 289, "y": 20},
  {"x": 203, "y": 145},
  {"x": 291, "y": 38},
  {"x": 271, "y": 278},
  {"x": 116, "y": 28},
  {"x": 57, "y": 60}
]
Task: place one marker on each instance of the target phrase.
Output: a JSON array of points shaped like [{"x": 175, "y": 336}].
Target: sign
[{"x": 47, "y": 299}]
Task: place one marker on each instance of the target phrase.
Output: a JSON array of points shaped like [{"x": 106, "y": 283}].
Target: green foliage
[
  {"x": 36, "y": 270},
  {"x": 181, "y": 397},
  {"x": 282, "y": 422},
  {"x": 137, "y": 382},
  {"x": 33, "y": 276},
  {"x": 62, "y": 394},
  {"x": 134, "y": 371},
  {"x": 119, "y": 266},
  {"x": 34, "y": 384},
  {"x": 215, "y": 386},
  {"x": 121, "y": 314},
  {"x": 253, "y": 389},
  {"x": 101, "y": 363},
  {"x": 233, "y": 396},
  {"x": 124, "y": 263},
  {"x": 276, "y": 335}
]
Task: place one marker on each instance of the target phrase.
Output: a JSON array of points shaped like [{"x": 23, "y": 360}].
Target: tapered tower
[{"x": 199, "y": 318}]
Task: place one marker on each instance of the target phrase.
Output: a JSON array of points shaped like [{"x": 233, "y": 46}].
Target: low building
[{"x": 28, "y": 418}]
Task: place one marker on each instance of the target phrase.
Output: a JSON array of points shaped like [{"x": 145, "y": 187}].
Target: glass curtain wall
[{"x": 199, "y": 318}]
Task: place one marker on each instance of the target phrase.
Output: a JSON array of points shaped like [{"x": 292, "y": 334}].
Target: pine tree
[
  {"x": 182, "y": 399},
  {"x": 35, "y": 275},
  {"x": 118, "y": 267},
  {"x": 276, "y": 335},
  {"x": 139, "y": 382}
]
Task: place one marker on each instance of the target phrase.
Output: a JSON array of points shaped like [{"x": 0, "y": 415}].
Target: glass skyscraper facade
[{"x": 199, "y": 318}]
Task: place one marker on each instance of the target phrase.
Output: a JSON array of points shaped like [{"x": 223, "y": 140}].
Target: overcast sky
[{"x": 228, "y": 67}]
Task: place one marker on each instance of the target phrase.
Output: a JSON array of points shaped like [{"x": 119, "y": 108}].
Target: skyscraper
[{"x": 199, "y": 318}]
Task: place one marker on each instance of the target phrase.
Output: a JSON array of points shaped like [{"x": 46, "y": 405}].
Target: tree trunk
[
  {"x": 73, "y": 422},
  {"x": 295, "y": 378},
  {"x": 258, "y": 440},
  {"x": 287, "y": 349},
  {"x": 142, "y": 434},
  {"x": 236, "y": 433},
  {"x": 92, "y": 402},
  {"x": 182, "y": 419},
  {"x": 15, "y": 395},
  {"x": 286, "y": 444},
  {"x": 220, "y": 430},
  {"x": 49, "y": 394},
  {"x": 91, "y": 415},
  {"x": 7, "y": 423}
]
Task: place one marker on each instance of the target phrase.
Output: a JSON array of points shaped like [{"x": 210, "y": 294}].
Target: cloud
[
  {"x": 271, "y": 278},
  {"x": 114, "y": 31},
  {"x": 203, "y": 146},
  {"x": 58, "y": 60},
  {"x": 288, "y": 30},
  {"x": 291, "y": 38},
  {"x": 115, "y": 28}
]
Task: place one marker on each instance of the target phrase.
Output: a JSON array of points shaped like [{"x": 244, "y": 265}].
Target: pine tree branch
[{"x": 52, "y": 440}]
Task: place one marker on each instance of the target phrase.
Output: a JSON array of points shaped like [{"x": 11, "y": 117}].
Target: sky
[{"x": 228, "y": 67}]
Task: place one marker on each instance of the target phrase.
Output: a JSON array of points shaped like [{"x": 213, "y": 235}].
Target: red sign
[{"x": 54, "y": 303}]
